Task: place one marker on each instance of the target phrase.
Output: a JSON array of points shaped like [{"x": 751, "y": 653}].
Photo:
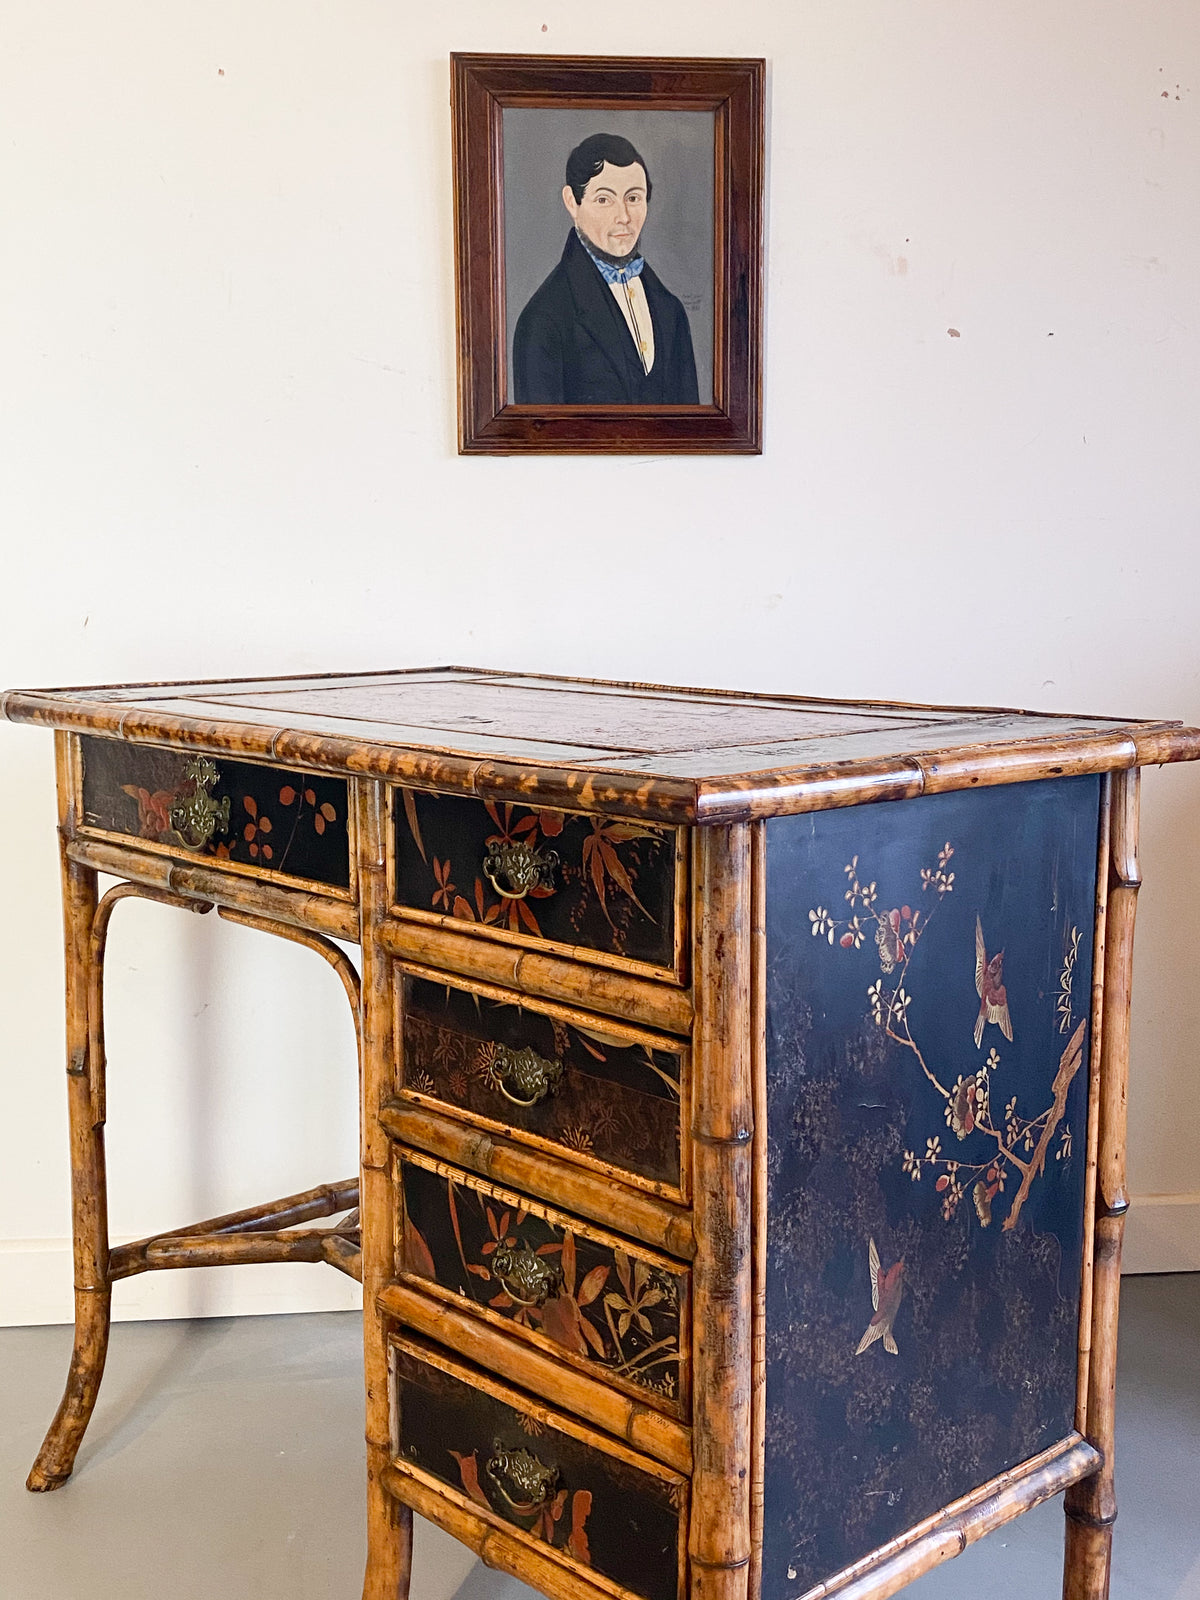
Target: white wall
[{"x": 227, "y": 369}]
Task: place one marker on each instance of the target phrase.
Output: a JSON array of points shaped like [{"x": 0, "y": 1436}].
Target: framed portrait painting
[{"x": 608, "y": 252}]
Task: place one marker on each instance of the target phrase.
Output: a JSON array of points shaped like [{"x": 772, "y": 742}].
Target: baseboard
[
  {"x": 1162, "y": 1234},
  {"x": 35, "y": 1288}
]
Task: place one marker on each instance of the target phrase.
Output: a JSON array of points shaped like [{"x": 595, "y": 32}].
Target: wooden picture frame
[{"x": 495, "y": 94}]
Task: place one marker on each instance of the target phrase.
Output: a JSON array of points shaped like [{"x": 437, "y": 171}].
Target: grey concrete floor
[{"x": 225, "y": 1459}]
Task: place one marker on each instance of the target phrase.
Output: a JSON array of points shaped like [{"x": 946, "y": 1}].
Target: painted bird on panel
[
  {"x": 989, "y": 983},
  {"x": 887, "y": 1290}
]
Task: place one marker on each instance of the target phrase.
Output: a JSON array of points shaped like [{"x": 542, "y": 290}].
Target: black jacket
[{"x": 573, "y": 347}]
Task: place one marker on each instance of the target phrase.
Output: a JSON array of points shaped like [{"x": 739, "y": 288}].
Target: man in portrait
[{"x": 603, "y": 329}]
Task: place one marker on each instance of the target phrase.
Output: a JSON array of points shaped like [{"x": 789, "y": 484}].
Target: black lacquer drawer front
[
  {"x": 605, "y": 1095},
  {"x": 610, "y": 1308},
  {"x": 618, "y": 1518},
  {"x": 266, "y": 819},
  {"x": 605, "y": 886}
]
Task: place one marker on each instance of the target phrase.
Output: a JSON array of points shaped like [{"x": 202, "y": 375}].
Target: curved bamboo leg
[
  {"x": 1091, "y": 1505},
  {"x": 88, "y": 1192},
  {"x": 86, "y": 932},
  {"x": 389, "y": 1522}
]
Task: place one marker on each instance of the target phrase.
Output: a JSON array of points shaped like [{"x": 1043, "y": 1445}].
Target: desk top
[{"x": 674, "y": 755}]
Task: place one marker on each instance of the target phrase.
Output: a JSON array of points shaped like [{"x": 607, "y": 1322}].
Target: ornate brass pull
[
  {"x": 527, "y": 1277},
  {"x": 523, "y": 1076},
  {"x": 533, "y": 1481},
  {"x": 197, "y": 816},
  {"x": 514, "y": 869}
]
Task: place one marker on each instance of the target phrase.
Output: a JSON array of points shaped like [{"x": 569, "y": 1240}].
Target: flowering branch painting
[{"x": 1006, "y": 1150}]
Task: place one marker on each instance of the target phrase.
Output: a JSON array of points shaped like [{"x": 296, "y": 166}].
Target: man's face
[{"x": 612, "y": 212}]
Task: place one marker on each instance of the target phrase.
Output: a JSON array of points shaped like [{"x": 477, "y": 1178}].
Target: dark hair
[{"x": 586, "y": 160}]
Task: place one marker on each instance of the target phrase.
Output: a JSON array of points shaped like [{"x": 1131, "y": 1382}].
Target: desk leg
[
  {"x": 389, "y": 1523},
  {"x": 89, "y": 1195},
  {"x": 1091, "y": 1505}
]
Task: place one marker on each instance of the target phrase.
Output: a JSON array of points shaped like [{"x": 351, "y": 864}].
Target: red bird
[
  {"x": 989, "y": 984},
  {"x": 887, "y": 1290}
]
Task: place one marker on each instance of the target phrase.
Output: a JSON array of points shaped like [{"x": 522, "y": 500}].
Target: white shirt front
[{"x": 631, "y": 298}]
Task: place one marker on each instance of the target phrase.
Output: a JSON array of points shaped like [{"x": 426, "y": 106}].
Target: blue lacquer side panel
[{"x": 925, "y": 1170}]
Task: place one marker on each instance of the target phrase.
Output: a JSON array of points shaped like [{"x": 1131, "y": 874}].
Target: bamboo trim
[
  {"x": 594, "y": 787},
  {"x": 641, "y": 1427},
  {"x": 620, "y": 1033},
  {"x": 89, "y": 1189},
  {"x": 239, "y": 869},
  {"x": 948, "y": 1532},
  {"x": 560, "y": 1421},
  {"x": 654, "y": 1004},
  {"x": 389, "y": 1524},
  {"x": 336, "y": 958},
  {"x": 678, "y": 1407},
  {"x": 97, "y": 949},
  {"x": 654, "y": 1222},
  {"x": 496, "y": 1544},
  {"x": 205, "y": 883},
  {"x": 758, "y": 1199},
  {"x": 722, "y": 1129},
  {"x": 1091, "y": 1506},
  {"x": 1096, "y": 1046},
  {"x": 326, "y": 1200}
]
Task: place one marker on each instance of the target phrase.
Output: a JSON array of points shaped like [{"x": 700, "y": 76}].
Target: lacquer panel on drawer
[
  {"x": 608, "y": 888},
  {"x": 618, "y": 1518},
  {"x": 928, "y": 1012},
  {"x": 611, "y": 1308},
  {"x": 261, "y": 818},
  {"x": 603, "y": 1094}
]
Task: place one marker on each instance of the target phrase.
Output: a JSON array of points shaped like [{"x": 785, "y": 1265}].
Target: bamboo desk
[{"x": 742, "y": 1177}]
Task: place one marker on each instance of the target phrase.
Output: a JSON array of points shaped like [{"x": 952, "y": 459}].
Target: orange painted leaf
[
  {"x": 581, "y": 1507},
  {"x": 592, "y": 1285},
  {"x": 562, "y": 1322},
  {"x": 287, "y": 795},
  {"x": 568, "y": 1261},
  {"x": 417, "y": 1255},
  {"x": 551, "y": 823},
  {"x": 264, "y": 824},
  {"x": 250, "y": 804},
  {"x": 310, "y": 797},
  {"x": 328, "y": 812},
  {"x": 592, "y": 1336},
  {"x": 319, "y": 823},
  {"x": 414, "y": 827}
]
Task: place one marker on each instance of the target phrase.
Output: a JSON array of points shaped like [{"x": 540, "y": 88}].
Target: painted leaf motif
[
  {"x": 577, "y": 1543},
  {"x": 417, "y": 1255},
  {"x": 562, "y": 1322},
  {"x": 568, "y": 1261},
  {"x": 592, "y": 1285}
]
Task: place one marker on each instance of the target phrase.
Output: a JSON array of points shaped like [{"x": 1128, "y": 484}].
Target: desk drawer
[
  {"x": 603, "y": 888},
  {"x": 617, "y": 1518},
  {"x": 603, "y": 1094},
  {"x": 262, "y": 819},
  {"x": 610, "y": 1308}
]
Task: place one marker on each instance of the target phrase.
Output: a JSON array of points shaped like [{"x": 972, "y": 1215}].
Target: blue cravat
[{"x": 609, "y": 272}]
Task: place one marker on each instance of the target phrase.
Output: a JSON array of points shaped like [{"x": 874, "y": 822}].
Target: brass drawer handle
[
  {"x": 523, "y": 1076},
  {"x": 514, "y": 869},
  {"x": 527, "y": 1277},
  {"x": 197, "y": 816},
  {"x": 533, "y": 1481}
]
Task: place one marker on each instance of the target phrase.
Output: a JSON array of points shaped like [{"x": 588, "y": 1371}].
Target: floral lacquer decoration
[{"x": 1004, "y": 1151}]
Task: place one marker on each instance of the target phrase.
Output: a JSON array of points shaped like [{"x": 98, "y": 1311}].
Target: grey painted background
[{"x": 678, "y": 237}]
